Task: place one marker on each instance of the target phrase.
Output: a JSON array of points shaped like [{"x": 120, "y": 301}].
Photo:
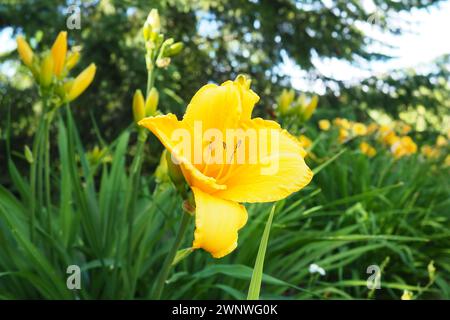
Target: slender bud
[
  {"x": 46, "y": 73},
  {"x": 72, "y": 60},
  {"x": 25, "y": 52},
  {"x": 285, "y": 99},
  {"x": 81, "y": 82},
  {"x": 59, "y": 51},
  {"x": 151, "y": 104},
  {"x": 175, "y": 174},
  {"x": 310, "y": 108},
  {"x": 153, "y": 21},
  {"x": 138, "y": 106},
  {"x": 28, "y": 154}
]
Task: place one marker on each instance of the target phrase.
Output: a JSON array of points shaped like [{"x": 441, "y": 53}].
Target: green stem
[
  {"x": 161, "y": 281},
  {"x": 35, "y": 172}
]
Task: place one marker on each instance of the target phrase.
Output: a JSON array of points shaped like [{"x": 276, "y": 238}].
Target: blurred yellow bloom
[
  {"x": 343, "y": 135},
  {"x": 430, "y": 152},
  {"x": 441, "y": 141},
  {"x": 359, "y": 129},
  {"x": 405, "y": 128},
  {"x": 219, "y": 187},
  {"x": 386, "y": 135},
  {"x": 324, "y": 125},
  {"x": 367, "y": 149},
  {"x": 306, "y": 143},
  {"x": 371, "y": 128},
  {"x": 59, "y": 51},
  {"x": 25, "y": 52},
  {"x": 343, "y": 123},
  {"x": 81, "y": 82},
  {"x": 403, "y": 146}
]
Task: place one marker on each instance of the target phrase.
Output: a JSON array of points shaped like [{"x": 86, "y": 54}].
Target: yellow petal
[
  {"x": 170, "y": 132},
  {"x": 279, "y": 170},
  {"x": 215, "y": 107},
  {"x": 217, "y": 222},
  {"x": 59, "y": 50},
  {"x": 81, "y": 82},
  {"x": 248, "y": 97}
]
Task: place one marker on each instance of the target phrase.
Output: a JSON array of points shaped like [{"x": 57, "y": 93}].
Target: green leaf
[{"x": 255, "y": 283}]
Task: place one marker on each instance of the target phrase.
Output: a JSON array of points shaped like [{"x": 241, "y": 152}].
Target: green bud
[
  {"x": 431, "y": 271},
  {"x": 151, "y": 104},
  {"x": 46, "y": 71},
  {"x": 175, "y": 174},
  {"x": 138, "y": 106},
  {"x": 174, "y": 49},
  {"x": 28, "y": 154}
]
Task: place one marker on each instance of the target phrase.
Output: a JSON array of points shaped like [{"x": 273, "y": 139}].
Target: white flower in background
[{"x": 314, "y": 268}]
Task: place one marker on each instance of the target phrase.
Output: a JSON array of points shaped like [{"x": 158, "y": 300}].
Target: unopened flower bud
[
  {"x": 72, "y": 60},
  {"x": 174, "y": 49},
  {"x": 151, "y": 104},
  {"x": 25, "y": 52},
  {"x": 46, "y": 72},
  {"x": 138, "y": 106},
  {"x": 28, "y": 154},
  {"x": 81, "y": 82}
]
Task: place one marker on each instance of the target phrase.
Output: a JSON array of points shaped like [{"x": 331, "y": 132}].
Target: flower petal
[
  {"x": 165, "y": 129},
  {"x": 217, "y": 222},
  {"x": 216, "y": 107},
  {"x": 279, "y": 170},
  {"x": 248, "y": 100}
]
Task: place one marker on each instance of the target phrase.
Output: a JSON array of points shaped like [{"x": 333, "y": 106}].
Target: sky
[{"x": 424, "y": 42}]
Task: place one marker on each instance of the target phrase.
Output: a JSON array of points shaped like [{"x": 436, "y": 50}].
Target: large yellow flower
[{"x": 218, "y": 186}]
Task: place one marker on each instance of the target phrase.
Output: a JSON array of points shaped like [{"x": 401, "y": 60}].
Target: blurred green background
[{"x": 222, "y": 39}]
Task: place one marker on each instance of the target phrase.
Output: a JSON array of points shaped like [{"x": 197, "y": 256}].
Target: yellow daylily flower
[
  {"x": 25, "y": 52},
  {"x": 429, "y": 152},
  {"x": 81, "y": 82},
  {"x": 324, "y": 125},
  {"x": 220, "y": 186},
  {"x": 367, "y": 149},
  {"x": 359, "y": 129},
  {"x": 343, "y": 123},
  {"x": 403, "y": 147},
  {"x": 59, "y": 51}
]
